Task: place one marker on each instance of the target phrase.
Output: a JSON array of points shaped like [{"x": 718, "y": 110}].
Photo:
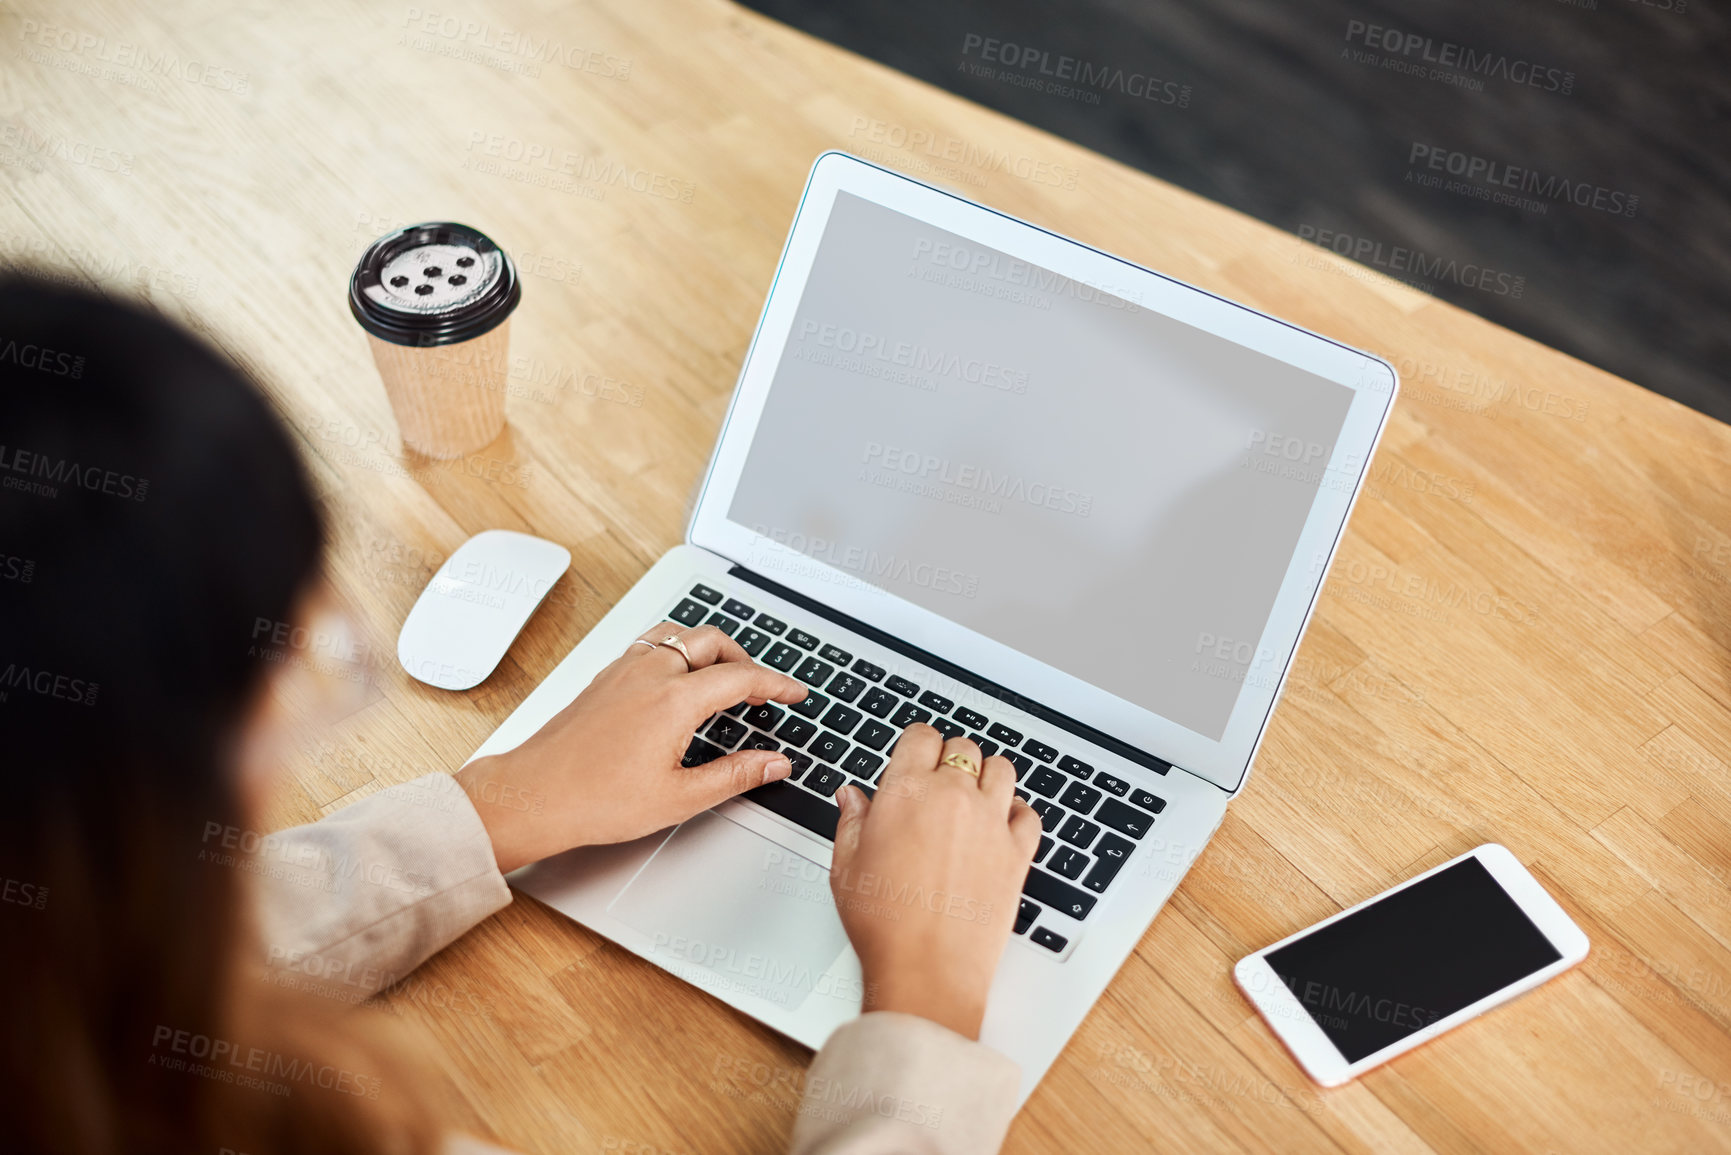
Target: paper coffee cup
[{"x": 435, "y": 300}]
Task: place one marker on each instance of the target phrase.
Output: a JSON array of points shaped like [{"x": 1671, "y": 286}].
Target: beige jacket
[{"x": 374, "y": 890}]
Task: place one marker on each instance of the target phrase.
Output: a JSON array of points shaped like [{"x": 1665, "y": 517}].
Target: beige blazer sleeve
[
  {"x": 367, "y": 894},
  {"x": 362, "y": 897}
]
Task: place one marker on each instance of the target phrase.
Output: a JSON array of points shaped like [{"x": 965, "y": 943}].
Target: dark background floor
[{"x": 1283, "y": 111}]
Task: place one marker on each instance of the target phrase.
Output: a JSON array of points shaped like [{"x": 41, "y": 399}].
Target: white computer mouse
[{"x": 476, "y": 605}]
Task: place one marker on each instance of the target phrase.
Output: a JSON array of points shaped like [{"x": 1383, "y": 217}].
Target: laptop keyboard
[{"x": 853, "y": 712}]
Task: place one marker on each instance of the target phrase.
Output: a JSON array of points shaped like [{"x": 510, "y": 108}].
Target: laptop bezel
[{"x": 1225, "y": 762}]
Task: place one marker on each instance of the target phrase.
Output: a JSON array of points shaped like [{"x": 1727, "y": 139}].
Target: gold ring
[
  {"x": 674, "y": 643},
  {"x": 961, "y": 762}
]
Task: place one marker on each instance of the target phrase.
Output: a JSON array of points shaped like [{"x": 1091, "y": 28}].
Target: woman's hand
[
  {"x": 607, "y": 768},
  {"x": 928, "y": 876}
]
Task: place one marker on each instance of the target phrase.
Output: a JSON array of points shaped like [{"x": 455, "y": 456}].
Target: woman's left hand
[{"x": 607, "y": 768}]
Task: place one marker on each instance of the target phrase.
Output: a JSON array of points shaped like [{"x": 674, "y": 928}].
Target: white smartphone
[{"x": 1399, "y": 969}]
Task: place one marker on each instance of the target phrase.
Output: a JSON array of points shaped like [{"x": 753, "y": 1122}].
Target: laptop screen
[{"x": 1108, "y": 490}]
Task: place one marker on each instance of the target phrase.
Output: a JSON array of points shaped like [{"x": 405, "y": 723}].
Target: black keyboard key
[
  {"x": 1046, "y": 845},
  {"x": 688, "y": 613},
  {"x": 1080, "y": 797},
  {"x": 863, "y": 764},
  {"x": 842, "y": 719},
  {"x": 970, "y": 719},
  {"x": 752, "y": 642},
  {"x": 902, "y": 686},
  {"x": 1052, "y": 942},
  {"x": 836, "y": 654},
  {"x": 868, "y": 671},
  {"x": 1069, "y": 863},
  {"x": 738, "y": 609},
  {"x": 1079, "y": 832},
  {"x": 764, "y": 717},
  {"x": 813, "y": 672},
  {"x": 825, "y": 780},
  {"x": 829, "y": 747},
  {"x": 811, "y": 705},
  {"x": 866, "y": 788},
  {"x": 947, "y": 728},
  {"x": 700, "y": 752},
  {"x": 796, "y": 731},
  {"x": 986, "y": 745},
  {"x": 937, "y": 702},
  {"x": 723, "y": 623},
  {"x": 1022, "y": 794},
  {"x": 1075, "y": 767},
  {"x": 782, "y": 657},
  {"x": 1045, "y": 782},
  {"x": 1124, "y": 819},
  {"x": 1025, "y": 916},
  {"x": 874, "y": 735},
  {"x": 725, "y": 732},
  {"x": 1109, "y": 858},
  {"x": 769, "y": 625},
  {"x": 878, "y": 703},
  {"x": 1112, "y": 785},
  {"x": 737, "y": 708},
  {"x": 803, "y": 808},
  {"x": 846, "y": 687},
  {"x": 1050, "y": 814},
  {"x": 1060, "y": 896},
  {"x": 802, "y": 639},
  {"x": 801, "y": 763},
  {"x": 1040, "y": 750},
  {"x": 704, "y": 593},
  {"x": 1004, "y": 734},
  {"x": 761, "y": 742},
  {"x": 1152, "y": 803},
  {"x": 1021, "y": 762},
  {"x": 908, "y": 715}
]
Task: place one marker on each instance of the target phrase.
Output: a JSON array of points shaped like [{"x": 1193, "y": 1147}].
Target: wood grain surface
[{"x": 1526, "y": 637}]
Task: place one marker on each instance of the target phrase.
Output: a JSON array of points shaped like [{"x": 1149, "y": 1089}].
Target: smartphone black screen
[{"x": 1412, "y": 958}]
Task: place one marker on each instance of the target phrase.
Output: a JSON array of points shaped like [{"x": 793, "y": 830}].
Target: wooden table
[{"x": 1526, "y": 637}]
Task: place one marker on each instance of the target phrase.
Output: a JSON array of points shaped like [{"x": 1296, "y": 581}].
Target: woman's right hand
[{"x": 927, "y": 877}]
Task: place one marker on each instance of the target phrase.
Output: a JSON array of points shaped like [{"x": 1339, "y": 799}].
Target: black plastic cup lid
[{"x": 433, "y": 284}]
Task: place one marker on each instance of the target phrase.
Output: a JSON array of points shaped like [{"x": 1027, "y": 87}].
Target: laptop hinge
[{"x": 950, "y": 669}]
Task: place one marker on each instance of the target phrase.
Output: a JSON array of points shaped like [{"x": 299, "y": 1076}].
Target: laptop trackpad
[{"x": 728, "y": 910}]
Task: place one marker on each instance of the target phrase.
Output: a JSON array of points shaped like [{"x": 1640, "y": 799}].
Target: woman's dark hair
[{"x": 153, "y": 512}]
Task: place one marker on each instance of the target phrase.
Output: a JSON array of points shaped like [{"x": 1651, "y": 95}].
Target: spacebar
[{"x": 789, "y": 801}]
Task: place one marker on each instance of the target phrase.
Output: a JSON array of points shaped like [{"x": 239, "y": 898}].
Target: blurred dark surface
[{"x": 1272, "y": 109}]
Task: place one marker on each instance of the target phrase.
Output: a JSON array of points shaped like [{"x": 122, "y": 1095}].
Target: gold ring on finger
[{"x": 961, "y": 762}]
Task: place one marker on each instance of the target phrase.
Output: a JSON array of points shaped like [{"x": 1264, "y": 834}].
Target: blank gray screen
[{"x": 1110, "y": 491}]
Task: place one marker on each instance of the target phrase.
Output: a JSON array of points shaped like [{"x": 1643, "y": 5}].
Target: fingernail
[{"x": 778, "y": 768}]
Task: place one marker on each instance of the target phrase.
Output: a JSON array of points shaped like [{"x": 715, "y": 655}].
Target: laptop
[{"x": 980, "y": 475}]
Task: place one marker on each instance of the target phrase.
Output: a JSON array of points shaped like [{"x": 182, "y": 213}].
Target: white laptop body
[{"x": 1051, "y": 488}]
